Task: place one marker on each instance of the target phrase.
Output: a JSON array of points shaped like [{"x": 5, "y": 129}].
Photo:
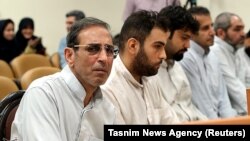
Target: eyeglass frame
[{"x": 87, "y": 47}]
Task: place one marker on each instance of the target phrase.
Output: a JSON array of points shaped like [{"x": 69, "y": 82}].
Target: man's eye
[
  {"x": 93, "y": 48},
  {"x": 109, "y": 50}
]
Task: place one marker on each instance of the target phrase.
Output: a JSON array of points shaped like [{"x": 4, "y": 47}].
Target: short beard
[
  {"x": 141, "y": 65},
  {"x": 178, "y": 56}
]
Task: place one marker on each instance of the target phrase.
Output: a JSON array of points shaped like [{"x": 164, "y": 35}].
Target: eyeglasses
[{"x": 95, "y": 48}]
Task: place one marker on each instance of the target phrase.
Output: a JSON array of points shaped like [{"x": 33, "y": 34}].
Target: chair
[
  {"x": 248, "y": 101},
  {"x": 7, "y": 86},
  {"x": 8, "y": 107},
  {"x": 6, "y": 70},
  {"x": 55, "y": 60},
  {"x": 25, "y": 62},
  {"x": 35, "y": 73}
]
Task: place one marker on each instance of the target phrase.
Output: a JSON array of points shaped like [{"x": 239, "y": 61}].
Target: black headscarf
[
  {"x": 22, "y": 42},
  {"x": 8, "y": 49}
]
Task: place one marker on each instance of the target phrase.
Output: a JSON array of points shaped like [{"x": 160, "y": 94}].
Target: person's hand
[{"x": 34, "y": 42}]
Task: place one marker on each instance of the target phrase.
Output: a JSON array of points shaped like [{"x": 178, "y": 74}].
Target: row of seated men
[{"x": 151, "y": 81}]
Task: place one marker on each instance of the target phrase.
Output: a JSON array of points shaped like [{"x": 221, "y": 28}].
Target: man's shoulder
[{"x": 44, "y": 81}]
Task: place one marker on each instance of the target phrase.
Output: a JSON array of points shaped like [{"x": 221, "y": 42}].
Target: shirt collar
[
  {"x": 224, "y": 44},
  {"x": 76, "y": 87},
  {"x": 168, "y": 64},
  {"x": 197, "y": 48},
  {"x": 124, "y": 71}
]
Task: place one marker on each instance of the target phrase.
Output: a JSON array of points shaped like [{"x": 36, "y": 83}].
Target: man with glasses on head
[
  {"x": 67, "y": 106},
  {"x": 142, "y": 48}
]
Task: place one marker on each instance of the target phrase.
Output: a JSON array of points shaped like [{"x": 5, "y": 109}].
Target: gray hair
[
  {"x": 223, "y": 21},
  {"x": 72, "y": 37}
]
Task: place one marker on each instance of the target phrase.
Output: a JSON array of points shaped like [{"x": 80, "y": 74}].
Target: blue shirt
[
  {"x": 235, "y": 88},
  {"x": 62, "y": 46},
  {"x": 207, "y": 83}
]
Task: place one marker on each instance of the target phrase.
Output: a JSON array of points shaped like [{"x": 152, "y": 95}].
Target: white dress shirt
[
  {"x": 137, "y": 103},
  {"x": 235, "y": 88},
  {"x": 52, "y": 110},
  {"x": 207, "y": 82},
  {"x": 177, "y": 92}
]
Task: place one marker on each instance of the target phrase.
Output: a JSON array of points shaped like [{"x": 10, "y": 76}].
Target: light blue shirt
[
  {"x": 243, "y": 66},
  {"x": 62, "y": 46},
  {"x": 177, "y": 91},
  {"x": 207, "y": 83},
  {"x": 235, "y": 88}
]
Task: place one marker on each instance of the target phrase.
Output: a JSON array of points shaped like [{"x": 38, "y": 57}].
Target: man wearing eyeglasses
[
  {"x": 69, "y": 105},
  {"x": 135, "y": 95}
]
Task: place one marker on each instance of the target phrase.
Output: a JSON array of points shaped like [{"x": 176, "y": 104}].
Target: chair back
[
  {"x": 35, "y": 73},
  {"x": 5, "y": 69},
  {"x": 55, "y": 60},
  {"x": 25, "y": 62},
  {"x": 7, "y": 86},
  {"x": 8, "y": 107},
  {"x": 248, "y": 101}
]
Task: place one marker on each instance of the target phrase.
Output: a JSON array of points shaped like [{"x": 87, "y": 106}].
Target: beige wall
[
  {"x": 239, "y": 7},
  {"x": 49, "y": 15}
]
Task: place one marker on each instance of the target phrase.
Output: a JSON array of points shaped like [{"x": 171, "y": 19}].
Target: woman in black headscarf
[
  {"x": 8, "y": 49},
  {"x": 26, "y": 41}
]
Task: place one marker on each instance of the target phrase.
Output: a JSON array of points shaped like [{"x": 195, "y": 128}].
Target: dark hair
[
  {"x": 3, "y": 24},
  {"x": 116, "y": 39},
  {"x": 139, "y": 25},
  {"x": 77, "y": 14},
  {"x": 72, "y": 37},
  {"x": 25, "y": 23},
  {"x": 180, "y": 19},
  {"x": 248, "y": 34},
  {"x": 199, "y": 10}
]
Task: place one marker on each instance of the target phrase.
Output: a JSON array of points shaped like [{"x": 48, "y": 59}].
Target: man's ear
[
  {"x": 133, "y": 46},
  {"x": 221, "y": 33},
  {"x": 69, "y": 54}
]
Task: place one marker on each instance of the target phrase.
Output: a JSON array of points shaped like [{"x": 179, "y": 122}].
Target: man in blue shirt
[
  {"x": 71, "y": 18},
  {"x": 202, "y": 68}
]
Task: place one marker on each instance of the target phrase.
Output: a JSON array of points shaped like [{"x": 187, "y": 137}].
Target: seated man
[
  {"x": 229, "y": 30},
  {"x": 136, "y": 96},
  {"x": 67, "y": 106},
  {"x": 71, "y": 18},
  {"x": 173, "y": 81},
  {"x": 203, "y": 70}
]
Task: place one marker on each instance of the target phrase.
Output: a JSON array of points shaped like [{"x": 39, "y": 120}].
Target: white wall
[{"x": 49, "y": 15}]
